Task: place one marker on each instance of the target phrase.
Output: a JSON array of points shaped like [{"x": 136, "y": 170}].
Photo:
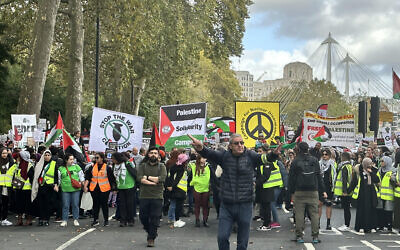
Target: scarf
[
  {"x": 120, "y": 172},
  {"x": 367, "y": 162},
  {"x": 388, "y": 164},
  {"x": 38, "y": 173},
  {"x": 24, "y": 163}
]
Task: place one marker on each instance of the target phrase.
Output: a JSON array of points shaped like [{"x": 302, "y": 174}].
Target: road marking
[
  {"x": 309, "y": 246},
  {"x": 354, "y": 232},
  {"x": 368, "y": 244},
  {"x": 348, "y": 247},
  {"x": 68, "y": 243},
  {"x": 336, "y": 231}
]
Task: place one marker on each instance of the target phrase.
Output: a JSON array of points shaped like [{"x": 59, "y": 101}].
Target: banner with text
[
  {"x": 176, "y": 121},
  {"x": 338, "y": 131},
  {"x": 257, "y": 118},
  {"x": 111, "y": 126},
  {"x": 25, "y": 125}
]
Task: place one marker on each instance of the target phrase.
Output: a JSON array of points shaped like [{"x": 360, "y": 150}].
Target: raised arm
[{"x": 212, "y": 155}]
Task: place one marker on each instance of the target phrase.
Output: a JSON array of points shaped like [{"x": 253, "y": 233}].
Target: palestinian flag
[
  {"x": 55, "y": 132},
  {"x": 396, "y": 86},
  {"x": 155, "y": 138},
  {"x": 323, "y": 134},
  {"x": 221, "y": 124},
  {"x": 282, "y": 134},
  {"x": 322, "y": 110},
  {"x": 68, "y": 141},
  {"x": 285, "y": 146}
]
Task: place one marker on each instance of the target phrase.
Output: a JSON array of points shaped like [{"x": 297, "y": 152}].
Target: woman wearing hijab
[
  {"x": 6, "y": 162},
  {"x": 22, "y": 179},
  {"x": 125, "y": 176},
  {"x": 363, "y": 185},
  {"x": 102, "y": 181},
  {"x": 386, "y": 200},
  {"x": 46, "y": 179}
]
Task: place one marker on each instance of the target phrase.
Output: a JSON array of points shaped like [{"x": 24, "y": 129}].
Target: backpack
[{"x": 307, "y": 179}]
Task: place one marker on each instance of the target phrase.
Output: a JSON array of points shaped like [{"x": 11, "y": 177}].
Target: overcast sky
[{"x": 283, "y": 31}]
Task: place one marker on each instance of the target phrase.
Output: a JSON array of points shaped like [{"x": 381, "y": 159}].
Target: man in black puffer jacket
[{"x": 236, "y": 185}]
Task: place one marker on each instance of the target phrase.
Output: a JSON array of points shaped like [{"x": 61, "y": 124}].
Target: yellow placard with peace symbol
[{"x": 257, "y": 118}]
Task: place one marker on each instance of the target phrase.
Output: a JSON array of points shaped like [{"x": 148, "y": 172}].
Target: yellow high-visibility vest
[
  {"x": 337, "y": 189},
  {"x": 183, "y": 182},
  {"x": 386, "y": 189},
  {"x": 275, "y": 179}
]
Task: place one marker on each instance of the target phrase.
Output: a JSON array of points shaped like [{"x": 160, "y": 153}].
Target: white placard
[{"x": 111, "y": 126}]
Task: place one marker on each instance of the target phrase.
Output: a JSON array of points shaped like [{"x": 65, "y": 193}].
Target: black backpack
[{"x": 307, "y": 179}]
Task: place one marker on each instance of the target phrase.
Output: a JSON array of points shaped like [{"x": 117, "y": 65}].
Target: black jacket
[
  {"x": 175, "y": 175},
  {"x": 296, "y": 170},
  {"x": 264, "y": 195},
  {"x": 236, "y": 183}
]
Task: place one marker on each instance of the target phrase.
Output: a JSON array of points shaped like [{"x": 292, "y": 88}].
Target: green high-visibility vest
[
  {"x": 397, "y": 189},
  {"x": 5, "y": 179},
  {"x": 201, "y": 182},
  {"x": 386, "y": 190},
  {"x": 275, "y": 179},
  {"x": 49, "y": 175},
  {"x": 65, "y": 181},
  {"x": 337, "y": 189},
  {"x": 129, "y": 180}
]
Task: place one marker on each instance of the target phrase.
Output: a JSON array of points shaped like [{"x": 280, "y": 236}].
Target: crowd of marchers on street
[{"x": 49, "y": 185}]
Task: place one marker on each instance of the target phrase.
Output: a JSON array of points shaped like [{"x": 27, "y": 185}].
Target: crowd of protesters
[{"x": 233, "y": 179}]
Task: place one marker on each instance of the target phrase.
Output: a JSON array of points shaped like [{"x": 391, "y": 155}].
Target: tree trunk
[
  {"x": 74, "y": 90},
  {"x": 31, "y": 95},
  {"x": 117, "y": 96},
  {"x": 141, "y": 84}
]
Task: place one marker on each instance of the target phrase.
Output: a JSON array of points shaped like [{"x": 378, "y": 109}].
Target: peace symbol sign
[{"x": 259, "y": 128}]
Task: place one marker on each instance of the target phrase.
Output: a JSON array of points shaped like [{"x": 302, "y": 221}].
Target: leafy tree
[{"x": 308, "y": 97}]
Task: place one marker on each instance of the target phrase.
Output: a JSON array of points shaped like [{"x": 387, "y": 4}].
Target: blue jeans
[
  {"x": 171, "y": 211},
  {"x": 190, "y": 199},
  {"x": 277, "y": 192},
  {"x": 240, "y": 213},
  {"x": 70, "y": 198}
]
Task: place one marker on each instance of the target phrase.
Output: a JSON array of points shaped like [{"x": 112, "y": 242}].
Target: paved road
[{"x": 188, "y": 237}]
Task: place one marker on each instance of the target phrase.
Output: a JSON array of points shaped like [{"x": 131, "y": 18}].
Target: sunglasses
[
  {"x": 238, "y": 142},
  {"x": 324, "y": 154},
  {"x": 97, "y": 157}
]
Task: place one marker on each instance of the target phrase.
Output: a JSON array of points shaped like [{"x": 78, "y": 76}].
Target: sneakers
[
  {"x": 106, "y": 224},
  {"x": 46, "y": 223},
  {"x": 95, "y": 223},
  {"x": 264, "y": 228},
  {"x": 76, "y": 223},
  {"x": 179, "y": 223},
  {"x": 299, "y": 240},
  {"x": 275, "y": 225},
  {"x": 63, "y": 224},
  {"x": 6, "y": 223},
  {"x": 344, "y": 228},
  {"x": 315, "y": 240},
  {"x": 328, "y": 227}
]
